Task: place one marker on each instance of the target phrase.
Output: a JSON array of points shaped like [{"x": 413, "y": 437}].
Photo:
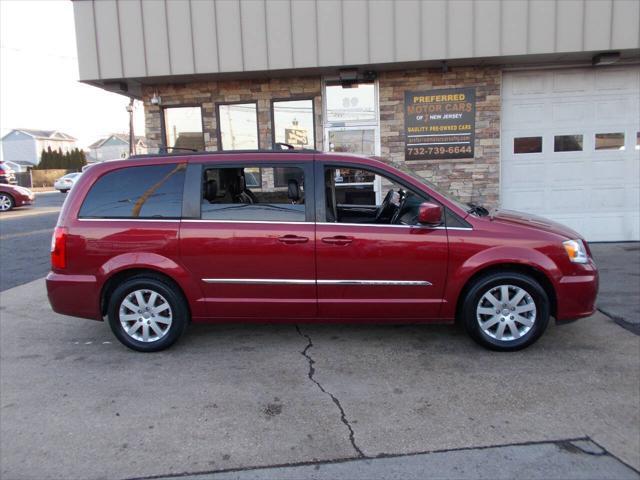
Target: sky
[{"x": 39, "y": 85}]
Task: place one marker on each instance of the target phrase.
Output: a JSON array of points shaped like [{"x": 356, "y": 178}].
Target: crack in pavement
[{"x": 343, "y": 416}]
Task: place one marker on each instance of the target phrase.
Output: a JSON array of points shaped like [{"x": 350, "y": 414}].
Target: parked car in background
[
  {"x": 66, "y": 182},
  {"x": 16, "y": 167},
  {"x": 154, "y": 242},
  {"x": 13, "y": 196},
  {"x": 7, "y": 174}
]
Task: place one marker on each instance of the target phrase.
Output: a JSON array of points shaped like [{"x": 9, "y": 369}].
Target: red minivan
[{"x": 155, "y": 242}]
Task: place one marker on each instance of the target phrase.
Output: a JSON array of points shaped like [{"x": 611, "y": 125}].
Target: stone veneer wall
[
  {"x": 473, "y": 179},
  {"x": 469, "y": 179},
  {"x": 208, "y": 94}
]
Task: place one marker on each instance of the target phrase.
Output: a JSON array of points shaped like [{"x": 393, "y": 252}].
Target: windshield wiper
[{"x": 478, "y": 210}]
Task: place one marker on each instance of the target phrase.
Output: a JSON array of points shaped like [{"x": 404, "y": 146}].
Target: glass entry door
[{"x": 351, "y": 125}]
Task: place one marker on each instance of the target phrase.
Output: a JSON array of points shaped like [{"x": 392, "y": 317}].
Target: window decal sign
[{"x": 439, "y": 123}]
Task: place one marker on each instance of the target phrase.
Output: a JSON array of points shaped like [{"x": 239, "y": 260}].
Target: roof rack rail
[{"x": 179, "y": 151}]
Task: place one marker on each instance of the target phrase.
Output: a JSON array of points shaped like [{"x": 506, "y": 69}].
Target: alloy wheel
[
  {"x": 506, "y": 312},
  {"x": 5, "y": 203},
  {"x": 145, "y": 315}
]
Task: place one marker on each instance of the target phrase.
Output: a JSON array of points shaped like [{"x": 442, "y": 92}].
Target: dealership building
[{"x": 531, "y": 105}]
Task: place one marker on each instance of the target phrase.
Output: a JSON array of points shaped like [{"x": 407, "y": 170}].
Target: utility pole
[{"x": 132, "y": 138}]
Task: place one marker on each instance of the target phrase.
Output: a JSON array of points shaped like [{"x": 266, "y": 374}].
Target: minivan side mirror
[{"x": 430, "y": 214}]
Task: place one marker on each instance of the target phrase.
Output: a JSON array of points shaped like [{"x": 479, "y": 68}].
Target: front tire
[
  {"x": 506, "y": 311},
  {"x": 147, "y": 314},
  {"x": 6, "y": 202}
]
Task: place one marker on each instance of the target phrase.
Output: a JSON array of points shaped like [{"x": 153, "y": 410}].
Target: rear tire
[
  {"x": 6, "y": 202},
  {"x": 64, "y": 191},
  {"x": 505, "y": 311},
  {"x": 147, "y": 314}
]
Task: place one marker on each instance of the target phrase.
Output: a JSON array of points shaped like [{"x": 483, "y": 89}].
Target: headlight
[{"x": 576, "y": 251}]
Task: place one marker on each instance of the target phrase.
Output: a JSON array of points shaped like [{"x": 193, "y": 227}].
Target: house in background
[
  {"x": 114, "y": 147},
  {"x": 24, "y": 146}
]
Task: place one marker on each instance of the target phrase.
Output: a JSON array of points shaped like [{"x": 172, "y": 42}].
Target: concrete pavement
[{"x": 76, "y": 404}]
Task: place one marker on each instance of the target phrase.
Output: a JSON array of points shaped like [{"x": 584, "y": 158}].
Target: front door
[
  {"x": 252, "y": 247},
  {"x": 373, "y": 259}
]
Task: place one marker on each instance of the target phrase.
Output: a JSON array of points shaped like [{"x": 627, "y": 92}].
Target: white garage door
[{"x": 571, "y": 148}]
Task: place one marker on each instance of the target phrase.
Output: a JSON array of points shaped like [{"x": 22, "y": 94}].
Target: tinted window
[
  {"x": 610, "y": 141},
  {"x": 253, "y": 193},
  {"x": 293, "y": 123},
  {"x": 238, "y": 126},
  {"x": 183, "y": 128},
  {"x": 567, "y": 143},
  {"x": 527, "y": 145},
  {"x": 137, "y": 192}
]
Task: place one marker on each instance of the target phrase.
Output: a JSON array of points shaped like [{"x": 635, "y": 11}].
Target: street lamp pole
[{"x": 132, "y": 139}]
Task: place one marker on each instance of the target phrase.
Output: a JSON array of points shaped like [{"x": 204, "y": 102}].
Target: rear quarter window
[{"x": 153, "y": 191}]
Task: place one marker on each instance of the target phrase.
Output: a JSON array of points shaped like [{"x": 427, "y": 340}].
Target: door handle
[
  {"x": 338, "y": 240},
  {"x": 291, "y": 239}
]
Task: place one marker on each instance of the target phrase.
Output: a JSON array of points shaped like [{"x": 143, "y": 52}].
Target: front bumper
[
  {"x": 576, "y": 295},
  {"x": 74, "y": 295}
]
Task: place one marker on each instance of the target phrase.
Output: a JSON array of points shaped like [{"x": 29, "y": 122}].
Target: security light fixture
[{"x": 156, "y": 100}]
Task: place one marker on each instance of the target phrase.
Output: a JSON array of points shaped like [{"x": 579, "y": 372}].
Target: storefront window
[
  {"x": 183, "y": 128},
  {"x": 360, "y": 141},
  {"x": 238, "y": 126},
  {"x": 350, "y": 104},
  {"x": 293, "y": 123}
]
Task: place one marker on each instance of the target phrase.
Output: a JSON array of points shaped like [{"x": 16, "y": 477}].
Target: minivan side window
[
  {"x": 253, "y": 193},
  {"x": 354, "y": 195},
  {"x": 153, "y": 191}
]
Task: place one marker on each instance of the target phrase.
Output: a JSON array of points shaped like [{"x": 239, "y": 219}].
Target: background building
[
  {"x": 114, "y": 147},
  {"x": 530, "y": 104},
  {"x": 24, "y": 146}
]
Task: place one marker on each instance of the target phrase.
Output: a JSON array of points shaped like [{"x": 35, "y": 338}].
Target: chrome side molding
[{"x": 296, "y": 281}]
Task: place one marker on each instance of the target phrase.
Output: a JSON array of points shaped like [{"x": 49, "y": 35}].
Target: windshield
[{"x": 405, "y": 169}]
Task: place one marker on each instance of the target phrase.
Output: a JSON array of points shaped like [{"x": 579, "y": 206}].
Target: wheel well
[
  {"x": 115, "y": 280},
  {"x": 540, "y": 277}
]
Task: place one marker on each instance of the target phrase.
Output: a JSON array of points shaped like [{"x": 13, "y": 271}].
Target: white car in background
[{"x": 65, "y": 183}]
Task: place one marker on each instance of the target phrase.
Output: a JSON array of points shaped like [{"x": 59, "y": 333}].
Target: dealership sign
[{"x": 439, "y": 123}]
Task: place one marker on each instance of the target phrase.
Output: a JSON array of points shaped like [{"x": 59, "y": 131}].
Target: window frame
[
  {"x": 219, "y": 130},
  {"x": 192, "y": 197},
  {"x": 134, "y": 219},
  {"x": 295, "y": 98},
  {"x": 163, "y": 127}
]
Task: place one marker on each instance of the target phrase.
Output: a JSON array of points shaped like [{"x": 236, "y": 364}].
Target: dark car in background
[{"x": 7, "y": 174}]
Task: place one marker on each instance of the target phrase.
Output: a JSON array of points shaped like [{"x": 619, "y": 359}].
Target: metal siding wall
[
  {"x": 279, "y": 45},
  {"x": 137, "y": 38},
  {"x": 434, "y": 24},
  {"x": 254, "y": 35},
  {"x": 329, "y": 32},
  {"x": 626, "y": 24},
  {"x": 542, "y": 26},
  {"x": 108, "y": 39},
  {"x": 230, "y": 39},
  {"x": 407, "y": 23},
  {"x": 180, "y": 46},
  {"x": 487, "y": 36},
  {"x": 86, "y": 41},
  {"x": 381, "y": 31},
  {"x": 203, "y": 20},
  {"x": 460, "y": 34},
  {"x": 514, "y": 27},
  {"x": 304, "y": 31},
  {"x": 132, "y": 38},
  {"x": 570, "y": 22},
  {"x": 155, "y": 37},
  {"x": 356, "y": 31}
]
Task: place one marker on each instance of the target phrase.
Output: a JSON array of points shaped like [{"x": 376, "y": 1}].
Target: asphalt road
[{"x": 25, "y": 239}]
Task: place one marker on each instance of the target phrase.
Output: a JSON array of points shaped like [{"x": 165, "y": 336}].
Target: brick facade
[{"x": 474, "y": 179}]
